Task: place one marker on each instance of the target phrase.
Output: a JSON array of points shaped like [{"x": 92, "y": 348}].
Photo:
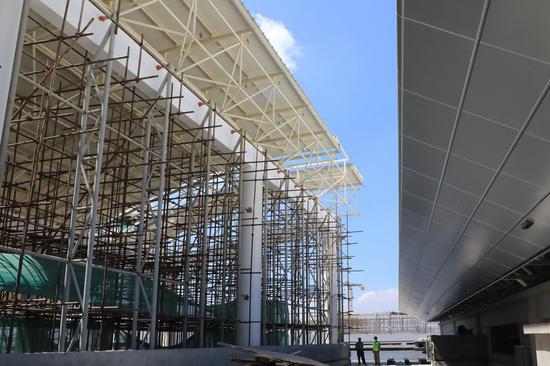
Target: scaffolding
[
  {"x": 391, "y": 323},
  {"x": 121, "y": 224}
]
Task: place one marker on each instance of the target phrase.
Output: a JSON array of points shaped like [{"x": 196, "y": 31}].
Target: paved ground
[
  {"x": 399, "y": 356},
  {"x": 370, "y": 363}
]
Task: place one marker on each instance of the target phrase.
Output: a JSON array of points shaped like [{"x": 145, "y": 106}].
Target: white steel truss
[{"x": 218, "y": 49}]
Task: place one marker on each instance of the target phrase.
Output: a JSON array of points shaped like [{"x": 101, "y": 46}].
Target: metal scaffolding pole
[
  {"x": 205, "y": 227},
  {"x": 73, "y": 240},
  {"x": 141, "y": 228},
  {"x": 95, "y": 194},
  {"x": 188, "y": 237},
  {"x": 160, "y": 209}
]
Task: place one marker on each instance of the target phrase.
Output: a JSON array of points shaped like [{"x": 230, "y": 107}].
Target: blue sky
[{"x": 344, "y": 56}]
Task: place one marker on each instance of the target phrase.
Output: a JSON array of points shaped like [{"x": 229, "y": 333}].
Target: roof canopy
[{"x": 475, "y": 145}]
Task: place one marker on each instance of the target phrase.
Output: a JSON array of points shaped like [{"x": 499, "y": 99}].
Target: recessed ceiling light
[{"x": 527, "y": 224}]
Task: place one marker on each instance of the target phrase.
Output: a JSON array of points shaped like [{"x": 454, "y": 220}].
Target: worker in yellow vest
[{"x": 376, "y": 351}]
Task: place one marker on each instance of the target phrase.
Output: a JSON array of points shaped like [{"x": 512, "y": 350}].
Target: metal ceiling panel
[
  {"x": 482, "y": 233},
  {"x": 539, "y": 126},
  {"x": 467, "y": 252},
  {"x": 439, "y": 61},
  {"x": 529, "y": 156},
  {"x": 466, "y": 204},
  {"x": 495, "y": 268},
  {"x": 519, "y": 26},
  {"x": 449, "y": 218},
  {"x": 412, "y": 233},
  {"x": 496, "y": 216},
  {"x": 504, "y": 86},
  {"x": 423, "y": 158},
  {"x": 460, "y": 201},
  {"x": 541, "y": 213},
  {"x": 422, "y": 185},
  {"x": 461, "y": 17},
  {"x": 508, "y": 259},
  {"x": 482, "y": 140},
  {"x": 519, "y": 247},
  {"x": 538, "y": 234},
  {"x": 428, "y": 121},
  {"x": 515, "y": 194},
  {"x": 467, "y": 175}
]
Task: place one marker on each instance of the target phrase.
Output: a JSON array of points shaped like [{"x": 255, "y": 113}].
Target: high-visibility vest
[{"x": 376, "y": 346}]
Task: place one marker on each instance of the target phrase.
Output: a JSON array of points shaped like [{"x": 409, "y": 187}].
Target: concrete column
[
  {"x": 541, "y": 332},
  {"x": 478, "y": 329},
  {"x": 333, "y": 245},
  {"x": 534, "y": 318},
  {"x": 12, "y": 33},
  {"x": 249, "y": 308}
]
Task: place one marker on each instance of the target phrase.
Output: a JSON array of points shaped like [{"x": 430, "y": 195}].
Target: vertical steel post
[
  {"x": 188, "y": 232},
  {"x": 204, "y": 251},
  {"x": 160, "y": 211},
  {"x": 141, "y": 227},
  {"x": 83, "y": 344},
  {"x": 74, "y": 208}
]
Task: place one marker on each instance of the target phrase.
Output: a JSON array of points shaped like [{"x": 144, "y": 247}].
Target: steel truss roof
[{"x": 216, "y": 46}]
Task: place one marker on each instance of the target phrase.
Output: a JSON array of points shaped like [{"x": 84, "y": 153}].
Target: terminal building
[
  {"x": 166, "y": 183},
  {"x": 474, "y": 137}
]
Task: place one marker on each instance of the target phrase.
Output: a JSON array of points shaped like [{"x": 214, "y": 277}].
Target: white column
[
  {"x": 332, "y": 242},
  {"x": 12, "y": 32},
  {"x": 541, "y": 333},
  {"x": 249, "y": 310}
]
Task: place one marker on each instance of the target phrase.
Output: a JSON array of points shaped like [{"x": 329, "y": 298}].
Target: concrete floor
[
  {"x": 383, "y": 361},
  {"x": 332, "y": 354}
]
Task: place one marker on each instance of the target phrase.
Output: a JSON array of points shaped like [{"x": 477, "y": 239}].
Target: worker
[
  {"x": 360, "y": 352},
  {"x": 376, "y": 350}
]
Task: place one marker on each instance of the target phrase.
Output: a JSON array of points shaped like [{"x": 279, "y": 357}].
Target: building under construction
[{"x": 165, "y": 183}]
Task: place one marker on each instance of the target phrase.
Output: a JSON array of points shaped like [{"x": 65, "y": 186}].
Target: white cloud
[
  {"x": 281, "y": 39},
  {"x": 376, "y": 301}
]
